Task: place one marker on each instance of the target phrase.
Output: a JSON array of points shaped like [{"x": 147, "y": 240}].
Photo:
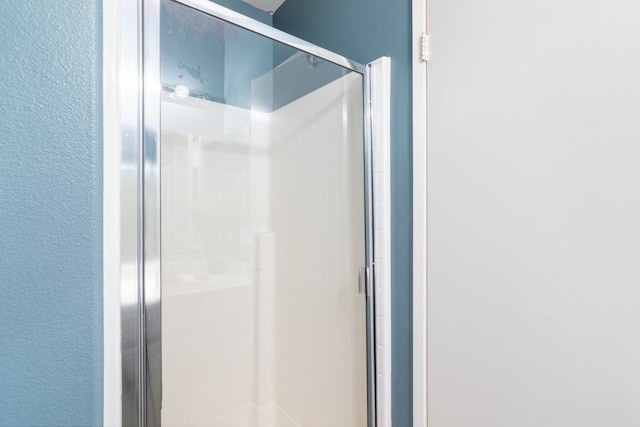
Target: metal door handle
[{"x": 364, "y": 281}]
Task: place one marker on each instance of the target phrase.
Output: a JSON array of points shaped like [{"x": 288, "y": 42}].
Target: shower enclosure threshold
[{"x": 270, "y": 415}]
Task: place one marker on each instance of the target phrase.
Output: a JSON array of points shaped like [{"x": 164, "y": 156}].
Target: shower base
[{"x": 251, "y": 416}]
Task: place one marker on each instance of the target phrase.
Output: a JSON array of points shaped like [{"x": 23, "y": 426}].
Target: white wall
[{"x": 534, "y": 213}]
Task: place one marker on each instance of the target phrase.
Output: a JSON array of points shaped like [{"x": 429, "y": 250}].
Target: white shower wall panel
[
  {"x": 208, "y": 352},
  {"x": 262, "y": 233},
  {"x": 207, "y": 181},
  {"x": 210, "y": 347},
  {"x": 317, "y": 205}
]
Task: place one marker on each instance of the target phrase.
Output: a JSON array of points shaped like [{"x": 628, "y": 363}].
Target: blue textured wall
[
  {"x": 50, "y": 213},
  {"x": 364, "y": 30}
]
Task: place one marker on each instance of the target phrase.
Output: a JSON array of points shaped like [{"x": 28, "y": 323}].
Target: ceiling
[{"x": 266, "y": 5}]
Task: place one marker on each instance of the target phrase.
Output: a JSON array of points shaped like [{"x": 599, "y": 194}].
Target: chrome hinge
[{"x": 425, "y": 48}]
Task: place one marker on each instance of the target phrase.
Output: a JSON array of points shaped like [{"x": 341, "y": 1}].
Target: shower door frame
[{"x": 140, "y": 282}]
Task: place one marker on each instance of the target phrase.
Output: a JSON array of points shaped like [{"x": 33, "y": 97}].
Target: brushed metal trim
[
  {"x": 131, "y": 274},
  {"x": 152, "y": 320},
  {"x": 369, "y": 251}
]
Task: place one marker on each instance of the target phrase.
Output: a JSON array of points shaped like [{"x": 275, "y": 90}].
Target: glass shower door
[{"x": 262, "y": 230}]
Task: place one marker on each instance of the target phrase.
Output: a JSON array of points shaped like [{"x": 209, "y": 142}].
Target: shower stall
[{"x": 248, "y": 292}]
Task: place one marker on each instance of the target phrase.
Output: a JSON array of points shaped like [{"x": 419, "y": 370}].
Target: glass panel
[{"x": 262, "y": 231}]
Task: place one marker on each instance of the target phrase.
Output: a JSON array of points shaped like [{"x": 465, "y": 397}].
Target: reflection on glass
[{"x": 262, "y": 231}]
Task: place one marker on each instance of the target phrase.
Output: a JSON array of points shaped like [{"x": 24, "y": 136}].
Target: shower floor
[{"x": 251, "y": 416}]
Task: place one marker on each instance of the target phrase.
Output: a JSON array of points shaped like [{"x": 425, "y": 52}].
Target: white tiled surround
[
  {"x": 262, "y": 228},
  {"x": 380, "y": 116}
]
